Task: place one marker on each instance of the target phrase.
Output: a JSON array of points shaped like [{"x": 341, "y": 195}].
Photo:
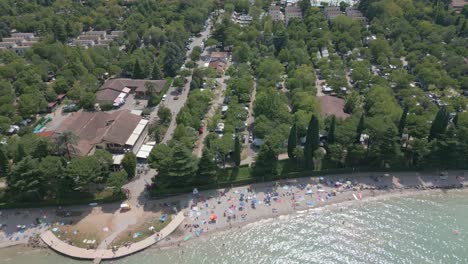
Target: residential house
[
  {"x": 292, "y": 12},
  {"x": 332, "y": 11},
  {"x": 354, "y": 13},
  {"x": 276, "y": 14},
  {"x": 19, "y": 42},
  {"x": 457, "y": 5}
]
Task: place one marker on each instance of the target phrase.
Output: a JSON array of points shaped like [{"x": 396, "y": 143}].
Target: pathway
[
  {"x": 136, "y": 187},
  {"x": 101, "y": 254},
  {"x": 215, "y": 104},
  {"x": 248, "y": 151}
]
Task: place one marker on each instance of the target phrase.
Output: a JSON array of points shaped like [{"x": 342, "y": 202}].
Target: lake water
[{"x": 415, "y": 229}]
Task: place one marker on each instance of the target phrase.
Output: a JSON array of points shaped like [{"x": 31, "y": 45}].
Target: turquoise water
[{"x": 415, "y": 229}]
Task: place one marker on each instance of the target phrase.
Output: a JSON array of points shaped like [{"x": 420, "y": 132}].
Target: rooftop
[{"x": 100, "y": 127}]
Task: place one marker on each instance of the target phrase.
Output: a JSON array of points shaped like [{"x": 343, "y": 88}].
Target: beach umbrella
[
  {"x": 348, "y": 182},
  {"x": 213, "y": 217},
  {"x": 309, "y": 192}
]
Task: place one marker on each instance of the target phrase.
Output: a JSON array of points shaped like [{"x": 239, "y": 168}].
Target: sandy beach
[
  {"x": 216, "y": 210},
  {"x": 224, "y": 209}
]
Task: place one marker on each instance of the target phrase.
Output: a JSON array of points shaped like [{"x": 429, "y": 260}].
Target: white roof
[
  {"x": 126, "y": 90},
  {"x": 117, "y": 159},
  {"x": 136, "y": 112},
  {"x": 136, "y": 132},
  {"x": 144, "y": 151},
  {"x": 122, "y": 95}
]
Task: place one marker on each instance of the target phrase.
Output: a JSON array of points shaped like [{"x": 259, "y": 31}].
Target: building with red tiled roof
[
  {"x": 103, "y": 130},
  {"x": 113, "y": 88}
]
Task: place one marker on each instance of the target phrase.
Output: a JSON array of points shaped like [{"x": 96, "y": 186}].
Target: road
[
  {"x": 248, "y": 151},
  {"x": 215, "y": 104},
  {"x": 136, "y": 188}
]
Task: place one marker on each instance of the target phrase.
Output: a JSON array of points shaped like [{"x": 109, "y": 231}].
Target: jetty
[{"x": 106, "y": 254}]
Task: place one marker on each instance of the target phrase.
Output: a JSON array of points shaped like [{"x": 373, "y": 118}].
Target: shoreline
[
  {"x": 397, "y": 185},
  {"x": 343, "y": 199}
]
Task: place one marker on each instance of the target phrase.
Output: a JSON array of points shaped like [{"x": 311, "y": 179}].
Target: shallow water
[{"x": 415, "y": 229}]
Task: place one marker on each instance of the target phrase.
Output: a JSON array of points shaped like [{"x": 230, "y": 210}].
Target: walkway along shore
[{"x": 97, "y": 254}]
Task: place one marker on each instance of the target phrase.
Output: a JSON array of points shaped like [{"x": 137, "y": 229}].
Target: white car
[{"x": 164, "y": 98}]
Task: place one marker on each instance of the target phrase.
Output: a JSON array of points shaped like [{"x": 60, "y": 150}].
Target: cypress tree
[
  {"x": 4, "y": 164},
  {"x": 20, "y": 154},
  {"x": 137, "y": 71},
  {"x": 331, "y": 132},
  {"x": 360, "y": 129},
  {"x": 312, "y": 140},
  {"x": 237, "y": 151},
  {"x": 292, "y": 141},
  {"x": 157, "y": 73},
  {"x": 402, "y": 124},
  {"x": 439, "y": 125}
]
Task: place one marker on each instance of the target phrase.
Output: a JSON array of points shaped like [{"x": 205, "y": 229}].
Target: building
[
  {"x": 354, "y": 13},
  {"x": 218, "y": 65},
  {"x": 332, "y": 11},
  {"x": 241, "y": 19},
  {"x": 97, "y": 39},
  {"x": 115, "y": 91},
  {"x": 457, "y": 5},
  {"x": 19, "y": 42},
  {"x": 292, "y": 12},
  {"x": 116, "y": 132},
  {"x": 276, "y": 14}
]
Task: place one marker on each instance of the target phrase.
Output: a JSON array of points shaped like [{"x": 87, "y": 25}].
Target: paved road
[
  {"x": 215, "y": 104},
  {"x": 249, "y": 152},
  {"x": 136, "y": 187}
]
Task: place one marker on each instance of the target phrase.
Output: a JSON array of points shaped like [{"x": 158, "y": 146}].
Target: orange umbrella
[{"x": 213, "y": 217}]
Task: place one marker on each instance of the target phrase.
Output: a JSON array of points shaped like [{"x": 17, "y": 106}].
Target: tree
[
  {"x": 360, "y": 129},
  {"x": 157, "y": 73},
  {"x": 41, "y": 150},
  {"x": 266, "y": 165},
  {"x": 207, "y": 169},
  {"x": 137, "y": 71},
  {"x": 237, "y": 152},
  {"x": 129, "y": 163},
  {"x": 117, "y": 179},
  {"x": 402, "y": 123},
  {"x": 196, "y": 52},
  {"x": 57, "y": 184},
  {"x": 343, "y": 6},
  {"x": 164, "y": 114},
  {"x": 25, "y": 182},
  {"x": 305, "y": 6},
  {"x": 88, "y": 101},
  {"x": 389, "y": 146},
  {"x": 176, "y": 170},
  {"x": 312, "y": 140},
  {"x": 439, "y": 125},
  {"x": 319, "y": 153},
  {"x": 66, "y": 144},
  {"x": 331, "y": 131},
  {"x": 292, "y": 141},
  {"x": 173, "y": 59},
  {"x": 4, "y": 162},
  {"x": 19, "y": 154}
]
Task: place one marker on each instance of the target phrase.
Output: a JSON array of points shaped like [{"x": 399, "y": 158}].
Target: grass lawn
[
  {"x": 142, "y": 229},
  {"x": 66, "y": 234}
]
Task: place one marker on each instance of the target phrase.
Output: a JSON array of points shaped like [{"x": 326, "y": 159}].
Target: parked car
[{"x": 70, "y": 108}]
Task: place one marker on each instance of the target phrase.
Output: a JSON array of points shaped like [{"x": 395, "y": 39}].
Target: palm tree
[{"x": 66, "y": 143}]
